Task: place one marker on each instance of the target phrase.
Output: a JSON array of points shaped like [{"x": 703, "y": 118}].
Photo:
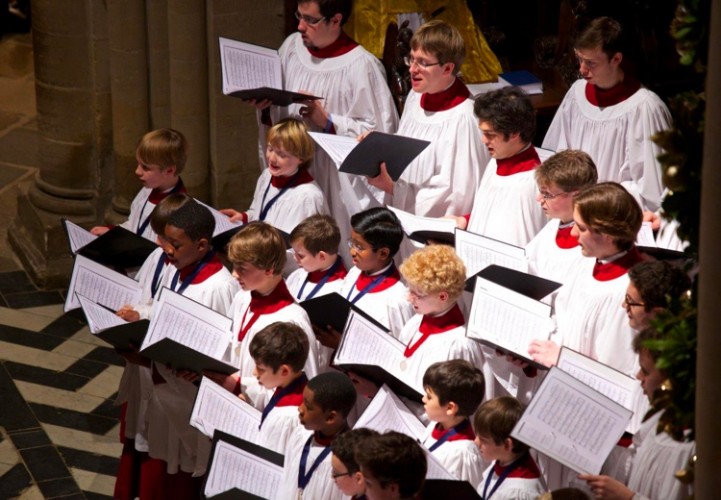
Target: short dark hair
[
  {"x": 570, "y": 170},
  {"x": 380, "y": 227},
  {"x": 346, "y": 444},
  {"x": 657, "y": 281},
  {"x": 456, "y": 381},
  {"x": 329, "y": 8},
  {"x": 509, "y": 111},
  {"x": 333, "y": 391},
  {"x": 163, "y": 210},
  {"x": 259, "y": 244},
  {"x": 641, "y": 339},
  {"x": 603, "y": 32},
  {"x": 496, "y": 418},
  {"x": 280, "y": 343},
  {"x": 319, "y": 233},
  {"x": 394, "y": 458},
  {"x": 608, "y": 208},
  {"x": 195, "y": 219}
]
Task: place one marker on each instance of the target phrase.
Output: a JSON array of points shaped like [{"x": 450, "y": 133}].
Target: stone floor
[{"x": 58, "y": 425}]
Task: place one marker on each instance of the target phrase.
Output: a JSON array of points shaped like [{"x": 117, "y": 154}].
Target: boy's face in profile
[
  {"x": 250, "y": 277},
  {"x": 155, "y": 176},
  {"x": 490, "y": 451},
  {"x": 310, "y": 414},
  {"x": 649, "y": 376},
  {"x": 180, "y": 249},
  {"x": 429, "y": 303},
  {"x": 364, "y": 256},
  {"x": 267, "y": 377},
  {"x": 556, "y": 203},
  {"x": 434, "y": 410},
  {"x": 306, "y": 260},
  {"x": 374, "y": 489},
  {"x": 348, "y": 483}
]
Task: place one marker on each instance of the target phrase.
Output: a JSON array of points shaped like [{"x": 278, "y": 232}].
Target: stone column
[
  {"x": 708, "y": 374},
  {"x": 71, "y": 71}
]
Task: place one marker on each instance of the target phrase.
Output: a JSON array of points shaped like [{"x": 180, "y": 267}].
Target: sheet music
[
  {"x": 572, "y": 423},
  {"x": 246, "y": 66},
  {"x": 78, "y": 237},
  {"x": 338, "y": 147},
  {"x": 99, "y": 318},
  {"x": 610, "y": 382},
  {"x": 506, "y": 318},
  {"x": 478, "y": 252},
  {"x": 366, "y": 343},
  {"x": 386, "y": 412},
  {"x": 188, "y": 323},
  {"x": 100, "y": 284},
  {"x": 645, "y": 238},
  {"x": 218, "y": 408},
  {"x": 232, "y": 467},
  {"x": 413, "y": 223},
  {"x": 222, "y": 221}
]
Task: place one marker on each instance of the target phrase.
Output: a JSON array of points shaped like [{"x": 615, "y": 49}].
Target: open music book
[
  {"x": 254, "y": 72},
  {"x": 101, "y": 285},
  {"x": 422, "y": 229},
  {"x": 106, "y": 325},
  {"x": 572, "y": 423},
  {"x": 240, "y": 469},
  {"x": 116, "y": 248},
  {"x": 187, "y": 335},
  {"x": 364, "y": 157},
  {"x": 219, "y": 409},
  {"x": 478, "y": 252}
]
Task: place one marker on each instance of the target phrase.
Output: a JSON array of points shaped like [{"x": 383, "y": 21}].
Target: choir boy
[
  {"x": 454, "y": 389},
  {"x": 327, "y": 399}
]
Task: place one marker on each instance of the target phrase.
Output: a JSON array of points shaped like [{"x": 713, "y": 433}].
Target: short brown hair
[
  {"x": 570, "y": 170},
  {"x": 345, "y": 445},
  {"x": 291, "y": 135},
  {"x": 456, "y": 381},
  {"x": 434, "y": 269},
  {"x": 441, "y": 40},
  {"x": 496, "y": 418},
  {"x": 163, "y": 210},
  {"x": 608, "y": 208},
  {"x": 319, "y": 233},
  {"x": 603, "y": 32},
  {"x": 280, "y": 343},
  {"x": 259, "y": 244},
  {"x": 394, "y": 458},
  {"x": 641, "y": 339},
  {"x": 164, "y": 147}
]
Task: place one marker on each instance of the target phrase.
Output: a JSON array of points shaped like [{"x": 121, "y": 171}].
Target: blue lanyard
[
  {"x": 370, "y": 286},
  {"x": 448, "y": 435},
  {"x": 142, "y": 226},
  {"x": 302, "y": 380},
  {"x": 506, "y": 471},
  {"x": 303, "y": 478},
  {"x": 187, "y": 281},
  {"x": 322, "y": 282},
  {"x": 265, "y": 208},
  {"x": 156, "y": 276}
]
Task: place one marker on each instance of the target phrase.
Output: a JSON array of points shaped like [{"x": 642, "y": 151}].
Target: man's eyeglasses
[
  {"x": 550, "y": 196},
  {"x": 410, "y": 61},
  {"x": 311, "y": 21},
  {"x": 336, "y": 475},
  {"x": 630, "y": 303}
]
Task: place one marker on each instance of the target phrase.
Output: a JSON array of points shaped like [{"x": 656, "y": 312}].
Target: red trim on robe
[
  {"x": 259, "y": 305},
  {"x": 603, "y": 98},
  {"x": 431, "y": 325},
  {"x": 366, "y": 279},
  {"x": 619, "y": 267},
  {"x": 521, "y": 162},
  {"x": 526, "y": 469},
  {"x": 464, "y": 434},
  {"x": 339, "y": 274},
  {"x": 213, "y": 266},
  {"x": 279, "y": 182},
  {"x": 342, "y": 45},
  {"x": 294, "y": 398},
  {"x": 446, "y": 99},
  {"x": 564, "y": 238},
  {"x": 156, "y": 195}
]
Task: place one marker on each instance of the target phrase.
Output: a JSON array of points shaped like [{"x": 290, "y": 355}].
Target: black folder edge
[
  {"x": 396, "y": 150},
  {"x": 278, "y": 97},
  {"x": 379, "y": 376},
  {"x": 330, "y": 309},
  {"x": 252, "y": 448},
  {"x": 122, "y": 335},
  {"x": 530, "y": 285},
  {"x": 180, "y": 357},
  {"x": 119, "y": 248},
  {"x": 659, "y": 253},
  {"x": 448, "y": 488},
  {"x": 435, "y": 236}
]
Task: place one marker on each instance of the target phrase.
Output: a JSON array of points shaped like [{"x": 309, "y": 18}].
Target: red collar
[
  {"x": 302, "y": 177},
  {"x": 295, "y": 396},
  {"x": 156, "y": 195},
  {"x": 617, "y": 268},
  {"x": 521, "y": 162},
  {"x": 525, "y": 468},
  {"x": 342, "y": 45},
  {"x": 326, "y": 440},
  {"x": 616, "y": 94},
  {"x": 209, "y": 269},
  {"x": 464, "y": 431},
  {"x": 366, "y": 279},
  {"x": 564, "y": 238},
  {"x": 276, "y": 300},
  {"x": 446, "y": 99},
  {"x": 451, "y": 319},
  {"x": 339, "y": 274}
]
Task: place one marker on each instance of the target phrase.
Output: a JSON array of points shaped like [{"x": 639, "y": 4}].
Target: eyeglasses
[
  {"x": 310, "y": 21},
  {"x": 357, "y": 246},
  {"x": 630, "y": 303},
  {"x": 410, "y": 61},
  {"x": 550, "y": 196},
  {"x": 336, "y": 475}
]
